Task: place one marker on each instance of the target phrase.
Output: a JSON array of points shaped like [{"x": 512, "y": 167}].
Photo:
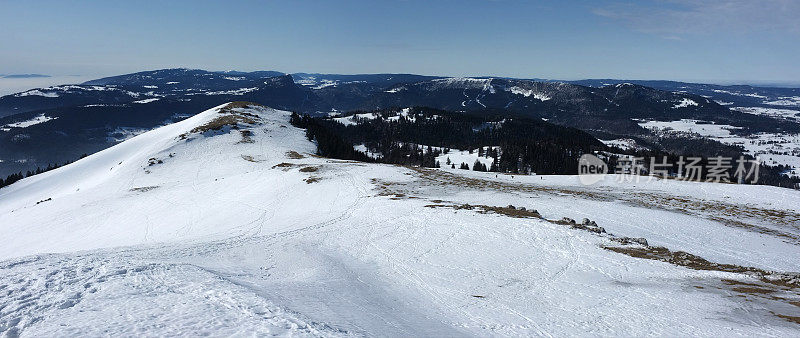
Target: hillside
[{"x": 228, "y": 223}]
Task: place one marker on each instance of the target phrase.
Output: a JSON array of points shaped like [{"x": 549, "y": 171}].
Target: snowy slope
[{"x": 186, "y": 230}]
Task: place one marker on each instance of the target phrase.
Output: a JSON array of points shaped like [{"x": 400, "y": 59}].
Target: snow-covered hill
[{"x": 226, "y": 224}]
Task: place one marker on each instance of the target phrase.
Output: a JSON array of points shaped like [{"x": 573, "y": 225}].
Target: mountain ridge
[{"x": 89, "y": 117}]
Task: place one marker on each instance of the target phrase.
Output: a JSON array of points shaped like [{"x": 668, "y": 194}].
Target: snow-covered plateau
[{"x": 226, "y": 224}]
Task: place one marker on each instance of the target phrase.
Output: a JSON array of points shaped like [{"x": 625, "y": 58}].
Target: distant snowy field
[
  {"x": 771, "y": 148},
  {"x": 16, "y": 85},
  {"x": 792, "y": 114},
  {"x": 691, "y": 126},
  {"x": 184, "y": 230}
]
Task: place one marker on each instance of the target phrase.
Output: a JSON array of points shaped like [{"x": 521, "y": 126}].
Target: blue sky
[{"x": 721, "y": 41}]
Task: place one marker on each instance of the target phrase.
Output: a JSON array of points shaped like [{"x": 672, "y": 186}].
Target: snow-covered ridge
[
  {"x": 528, "y": 92},
  {"x": 36, "y": 92},
  {"x": 240, "y": 91},
  {"x": 127, "y": 158},
  {"x": 462, "y": 82},
  {"x": 314, "y": 83},
  {"x": 57, "y": 91},
  {"x": 619, "y": 85}
]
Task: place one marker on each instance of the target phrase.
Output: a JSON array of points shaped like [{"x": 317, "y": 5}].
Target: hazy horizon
[{"x": 721, "y": 42}]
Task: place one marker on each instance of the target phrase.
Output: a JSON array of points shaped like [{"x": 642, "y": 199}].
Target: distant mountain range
[{"x": 59, "y": 123}]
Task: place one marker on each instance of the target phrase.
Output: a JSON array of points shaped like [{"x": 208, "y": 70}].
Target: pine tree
[{"x": 493, "y": 167}]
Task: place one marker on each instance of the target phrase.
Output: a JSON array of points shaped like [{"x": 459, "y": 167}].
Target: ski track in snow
[{"x": 226, "y": 237}]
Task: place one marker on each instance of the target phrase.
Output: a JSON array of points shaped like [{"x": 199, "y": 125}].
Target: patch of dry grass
[
  {"x": 144, "y": 189},
  {"x": 239, "y": 104},
  {"x": 793, "y": 319},
  {"x": 695, "y": 262},
  {"x": 309, "y": 169},
  {"x": 283, "y": 165},
  {"x": 488, "y": 209},
  {"x": 751, "y": 290},
  {"x": 294, "y": 155},
  {"x": 445, "y": 178},
  {"x": 250, "y": 159},
  {"x": 229, "y": 118},
  {"x": 222, "y": 121},
  {"x": 246, "y": 136}
]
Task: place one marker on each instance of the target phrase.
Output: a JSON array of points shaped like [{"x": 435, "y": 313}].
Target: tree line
[
  {"x": 521, "y": 145},
  {"x": 13, "y": 178},
  {"x": 420, "y": 135}
]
